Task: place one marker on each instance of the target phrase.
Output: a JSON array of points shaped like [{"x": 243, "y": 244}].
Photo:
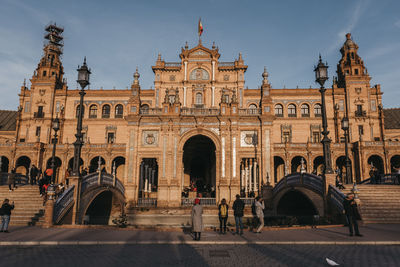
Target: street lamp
[
  {"x": 56, "y": 127},
  {"x": 83, "y": 80},
  {"x": 321, "y": 75},
  {"x": 345, "y": 128}
]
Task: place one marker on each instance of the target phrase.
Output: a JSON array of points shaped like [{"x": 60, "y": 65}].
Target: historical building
[{"x": 199, "y": 129}]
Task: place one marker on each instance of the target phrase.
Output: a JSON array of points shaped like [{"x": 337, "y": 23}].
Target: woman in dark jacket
[
  {"x": 223, "y": 215},
  {"x": 5, "y": 215}
]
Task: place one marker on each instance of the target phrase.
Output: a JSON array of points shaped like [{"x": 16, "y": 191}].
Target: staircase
[
  {"x": 379, "y": 203},
  {"x": 29, "y": 209}
]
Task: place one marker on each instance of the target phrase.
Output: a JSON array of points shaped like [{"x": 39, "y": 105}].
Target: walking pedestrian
[
  {"x": 11, "y": 180},
  {"x": 223, "y": 215},
  {"x": 238, "y": 208},
  {"x": 197, "y": 219},
  {"x": 260, "y": 213},
  {"x": 5, "y": 212},
  {"x": 352, "y": 214},
  {"x": 34, "y": 174}
]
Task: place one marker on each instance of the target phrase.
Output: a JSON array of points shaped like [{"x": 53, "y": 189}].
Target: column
[
  {"x": 184, "y": 96},
  {"x": 213, "y": 96},
  {"x": 255, "y": 187},
  {"x": 130, "y": 156},
  {"x": 223, "y": 157},
  {"x": 233, "y": 157},
  {"x": 242, "y": 176},
  {"x": 246, "y": 168},
  {"x": 213, "y": 70},
  {"x": 185, "y": 70},
  {"x": 267, "y": 162}
]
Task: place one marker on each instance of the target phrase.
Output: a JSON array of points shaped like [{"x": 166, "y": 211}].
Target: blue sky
[{"x": 118, "y": 36}]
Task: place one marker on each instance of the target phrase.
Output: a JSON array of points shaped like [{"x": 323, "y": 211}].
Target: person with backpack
[
  {"x": 238, "y": 208},
  {"x": 5, "y": 213},
  {"x": 259, "y": 204},
  {"x": 222, "y": 215}
]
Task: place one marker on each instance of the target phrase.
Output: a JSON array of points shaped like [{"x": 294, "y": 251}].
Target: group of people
[{"x": 223, "y": 211}]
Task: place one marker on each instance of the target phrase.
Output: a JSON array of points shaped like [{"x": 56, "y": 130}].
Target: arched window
[
  {"x": 292, "y": 110},
  {"x": 93, "y": 111},
  {"x": 119, "y": 111},
  {"x": 317, "y": 110},
  {"x": 199, "y": 74},
  {"x": 105, "y": 113},
  {"x": 252, "y": 106},
  {"x": 199, "y": 99},
  {"x": 305, "y": 110},
  {"x": 77, "y": 111},
  {"x": 279, "y": 110},
  {"x": 144, "y": 109}
]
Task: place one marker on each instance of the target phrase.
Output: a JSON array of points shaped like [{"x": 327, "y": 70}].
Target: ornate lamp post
[
  {"x": 345, "y": 128},
  {"x": 321, "y": 75},
  {"x": 83, "y": 80},
  {"x": 56, "y": 127}
]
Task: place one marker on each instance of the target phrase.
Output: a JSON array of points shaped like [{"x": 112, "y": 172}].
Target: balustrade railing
[
  {"x": 249, "y": 111},
  {"x": 203, "y": 201},
  {"x": 172, "y": 64},
  {"x": 93, "y": 179},
  {"x": 62, "y": 203},
  {"x": 147, "y": 202},
  {"x": 200, "y": 111},
  {"x": 336, "y": 197},
  {"x": 226, "y": 64},
  {"x": 150, "y": 111}
]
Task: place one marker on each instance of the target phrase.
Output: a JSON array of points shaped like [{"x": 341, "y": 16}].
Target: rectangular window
[
  {"x": 22, "y": 140},
  {"x": 360, "y": 129},
  {"x": 286, "y": 137},
  {"x": 38, "y": 131},
  {"x": 373, "y": 105},
  {"x": 356, "y": 71},
  {"x": 27, "y": 108},
  {"x": 316, "y": 137},
  {"x": 58, "y": 106},
  {"x": 110, "y": 138},
  {"x": 341, "y": 105}
]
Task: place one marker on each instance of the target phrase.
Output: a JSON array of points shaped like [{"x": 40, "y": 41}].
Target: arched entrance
[
  {"x": 103, "y": 209},
  {"x": 71, "y": 163},
  {"x": 4, "y": 163},
  {"x": 22, "y": 165},
  {"x": 199, "y": 163},
  {"x": 395, "y": 163},
  {"x": 376, "y": 162},
  {"x": 58, "y": 164},
  {"x": 118, "y": 167},
  {"x": 341, "y": 164},
  {"x": 297, "y": 162},
  {"x": 279, "y": 168},
  {"x": 318, "y": 167},
  {"x": 295, "y": 203},
  {"x": 94, "y": 164}
]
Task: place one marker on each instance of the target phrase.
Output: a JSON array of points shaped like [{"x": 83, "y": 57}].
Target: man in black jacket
[
  {"x": 238, "y": 207},
  {"x": 5, "y": 215},
  {"x": 352, "y": 214}
]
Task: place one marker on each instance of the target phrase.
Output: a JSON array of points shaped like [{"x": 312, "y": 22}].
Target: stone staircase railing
[{"x": 63, "y": 204}]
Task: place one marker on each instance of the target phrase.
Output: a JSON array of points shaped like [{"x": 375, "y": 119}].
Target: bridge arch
[{"x": 307, "y": 188}]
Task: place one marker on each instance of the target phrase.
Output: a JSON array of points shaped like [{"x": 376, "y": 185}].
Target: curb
[{"x": 178, "y": 242}]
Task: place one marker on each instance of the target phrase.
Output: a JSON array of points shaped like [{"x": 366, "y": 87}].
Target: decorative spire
[
  {"x": 136, "y": 76},
  {"x": 186, "y": 45},
  {"x": 213, "y": 46},
  {"x": 240, "y": 57},
  {"x": 159, "y": 57}
]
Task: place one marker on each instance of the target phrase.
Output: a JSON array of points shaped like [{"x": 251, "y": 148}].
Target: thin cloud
[{"x": 355, "y": 17}]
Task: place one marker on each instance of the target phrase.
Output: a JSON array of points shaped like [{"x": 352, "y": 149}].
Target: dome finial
[{"x": 136, "y": 76}]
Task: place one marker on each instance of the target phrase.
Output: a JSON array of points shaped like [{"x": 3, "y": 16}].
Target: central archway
[{"x": 199, "y": 164}]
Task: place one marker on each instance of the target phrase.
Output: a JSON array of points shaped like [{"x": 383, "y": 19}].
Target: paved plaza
[{"x": 32, "y": 246}]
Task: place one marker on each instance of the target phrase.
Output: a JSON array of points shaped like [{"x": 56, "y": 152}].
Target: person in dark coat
[
  {"x": 238, "y": 208},
  {"x": 197, "y": 219},
  {"x": 352, "y": 214},
  {"x": 5, "y": 215},
  {"x": 34, "y": 174},
  {"x": 223, "y": 215},
  {"x": 11, "y": 180}
]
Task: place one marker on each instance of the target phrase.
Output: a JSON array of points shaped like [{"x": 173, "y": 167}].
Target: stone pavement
[
  {"x": 108, "y": 246},
  {"x": 388, "y": 234}
]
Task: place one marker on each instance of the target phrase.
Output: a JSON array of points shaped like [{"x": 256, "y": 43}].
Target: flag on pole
[{"x": 200, "y": 30}]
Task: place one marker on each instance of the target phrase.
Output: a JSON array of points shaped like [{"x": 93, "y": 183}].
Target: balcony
[
  {"x": 200, "y": 111},
  {"x": 250, "y": 111},
  {"x": 360, "y": 113},
  {"x": 38, "y": 115},
  {"x": 150, "y": 111}
]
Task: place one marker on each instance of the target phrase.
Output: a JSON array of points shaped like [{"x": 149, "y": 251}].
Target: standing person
[
  {"x": 34, "y": 174},
  {"x": 260, "y": 213},
  {"x": 238, "y": 207},
  {"x": 223, "y": 215},
  {"x": 5, "y": 215},
  {"x": 84, "y": 172},
  {"x": 197, "y": 219},
  {"x": 352, "y": 214},
  {"x": 11, "y": 180}
]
